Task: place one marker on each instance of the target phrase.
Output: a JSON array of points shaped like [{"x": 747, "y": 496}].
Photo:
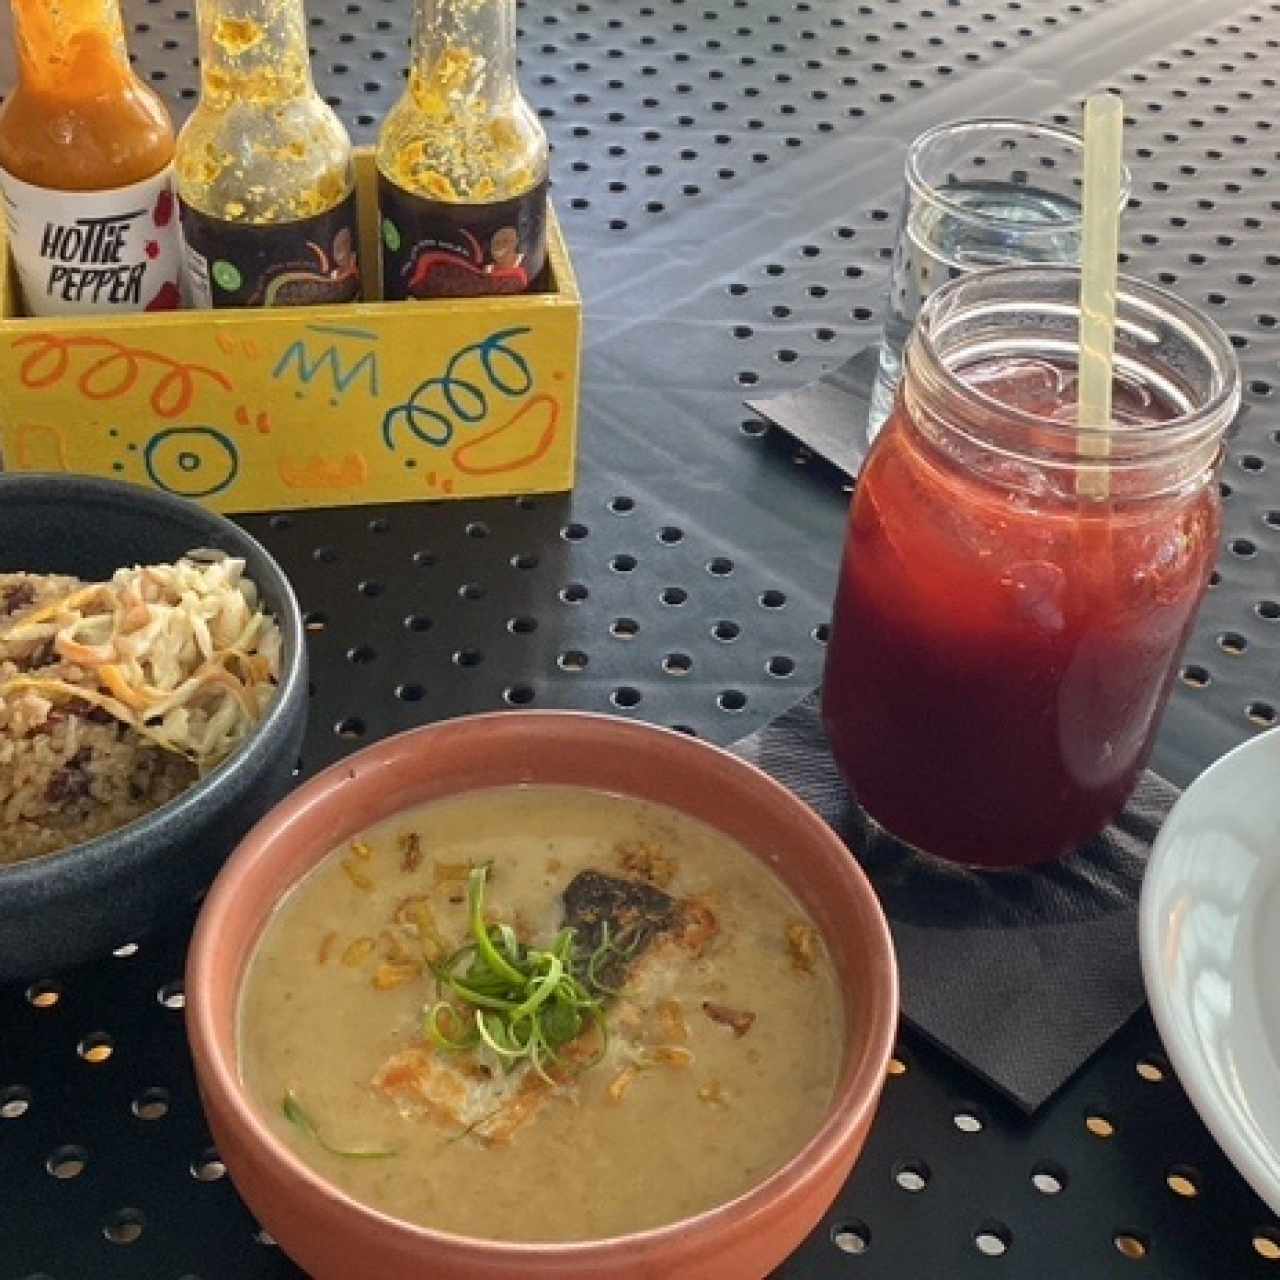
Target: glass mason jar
[{"x": 1017, "y": 590}]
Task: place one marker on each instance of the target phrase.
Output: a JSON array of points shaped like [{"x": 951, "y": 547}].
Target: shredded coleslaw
[{"x": 183, "y": 653}]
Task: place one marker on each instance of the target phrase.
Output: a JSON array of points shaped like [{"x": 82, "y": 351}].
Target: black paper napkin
[
  {"x": 829, "y": 415},
  {"x": 1021, "y": 975}
]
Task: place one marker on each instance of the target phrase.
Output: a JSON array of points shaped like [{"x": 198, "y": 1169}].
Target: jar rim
[
  {"x": 1212, "y": 414},
  {"x": 927, "y": 190}
]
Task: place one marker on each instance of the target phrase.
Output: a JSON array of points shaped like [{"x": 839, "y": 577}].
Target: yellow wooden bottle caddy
[{"x": 273, "y": 409}]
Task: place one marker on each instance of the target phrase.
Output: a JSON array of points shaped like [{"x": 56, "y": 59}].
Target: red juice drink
[{"x": 1011, "y": 611}]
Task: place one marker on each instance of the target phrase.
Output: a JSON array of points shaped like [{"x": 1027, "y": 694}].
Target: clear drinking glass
[{"x": 979, "y": 193}]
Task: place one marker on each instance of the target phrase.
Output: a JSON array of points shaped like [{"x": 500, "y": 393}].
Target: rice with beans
[{"x": 116, "y": 696}]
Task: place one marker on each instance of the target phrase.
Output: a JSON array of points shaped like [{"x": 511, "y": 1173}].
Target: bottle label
[
  {"x": 434, "y": 249},
  {"x": 283, "y": 264},
  {"x": 81, "y": 252}
]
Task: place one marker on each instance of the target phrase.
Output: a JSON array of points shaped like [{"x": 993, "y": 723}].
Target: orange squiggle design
[
  {"x": 529, "y": 451},
  {"x": 113, "y": 374}
]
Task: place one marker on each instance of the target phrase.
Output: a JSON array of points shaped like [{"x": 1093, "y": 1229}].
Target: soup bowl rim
[{"x": 847, "y": 1115}]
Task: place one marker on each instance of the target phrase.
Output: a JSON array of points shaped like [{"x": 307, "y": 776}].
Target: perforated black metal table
[{"x": 727, "y": 172}]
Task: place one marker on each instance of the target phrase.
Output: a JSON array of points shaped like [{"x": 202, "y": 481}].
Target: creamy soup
[{"x": 366, "y": 1039}]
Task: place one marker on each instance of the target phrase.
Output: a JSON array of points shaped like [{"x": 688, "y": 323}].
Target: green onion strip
[{"x": 523, "y": 1004}]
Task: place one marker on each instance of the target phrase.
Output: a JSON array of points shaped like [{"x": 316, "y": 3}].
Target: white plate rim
[{"x": 1221, "y": 1118}]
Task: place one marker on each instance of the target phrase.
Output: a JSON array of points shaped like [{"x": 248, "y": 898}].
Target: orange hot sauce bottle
[{"x": 85, "y": 150}]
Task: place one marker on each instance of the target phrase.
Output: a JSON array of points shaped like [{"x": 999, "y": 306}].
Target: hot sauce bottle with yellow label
[
  {"x": 462, "y": 161},
  {"x": 266, "y": 186},
  {"x": 85, "y": 151}
]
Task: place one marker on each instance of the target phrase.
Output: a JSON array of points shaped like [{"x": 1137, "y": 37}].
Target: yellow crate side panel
[{"x": 308, "y": 414}]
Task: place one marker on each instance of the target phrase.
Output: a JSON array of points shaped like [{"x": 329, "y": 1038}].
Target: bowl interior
[
  {"x": 548, "y": 747},
  {"x": 90, "y": 528},
  {"x": 1210, "y": 952}
]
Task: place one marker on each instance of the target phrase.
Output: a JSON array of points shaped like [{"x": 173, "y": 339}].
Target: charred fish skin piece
[{"x": 635, "y": 912}]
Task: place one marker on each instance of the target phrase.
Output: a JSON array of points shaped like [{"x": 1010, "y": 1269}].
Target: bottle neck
[
  {"x": 253, "y": 53},
  {"x": 464, "y": 53},
  {"x": 71, "y": 48}
]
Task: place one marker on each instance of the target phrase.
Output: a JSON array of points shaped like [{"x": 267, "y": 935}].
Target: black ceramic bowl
[{"x": 61, "y": 908}]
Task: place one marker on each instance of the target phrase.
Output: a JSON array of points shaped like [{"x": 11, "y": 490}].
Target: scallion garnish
[
  {"x": 294, "y": 1113},
  {"x": 524, "y": 1004}
]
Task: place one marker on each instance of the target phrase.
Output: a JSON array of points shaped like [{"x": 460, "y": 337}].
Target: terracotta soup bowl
[{"x": 334, "y": 1236}]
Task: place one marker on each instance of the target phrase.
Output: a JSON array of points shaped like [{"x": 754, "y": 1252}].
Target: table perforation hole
[
  {"x": 780, "y": 666},
  {"x": 673, "y": 597},
  {"x": 626, "y": 697},
  {"x": 772, "y": 599},
  {"x": 1100, "y": 1125},
  {"x": 350, "y": 728},
  {"x": 677, "y": 664},
  {"x": 417, "y": 622},
  {"x": 573, "y": 660},
  {"x": 410, "y": 691},
  {"x": 15, "y": 1101},
  {"x": 208, "y": 1166},
  {"x": 1049, "y": 1178},
  {"x": 96, "y": 1047},
  {"x": 720, "y": 566},
  {"x": 1263, "y": 714},
  {"x": 912, "y": 1176},
  {"x": 518, "y": 695},
  {"x": 851, "y": 1237},
  {"x": 1269, "y": 610},
  {"x": 151, "y": 1104},
  {"x": 732, "y": 700},
  {"x": 573, "y": 593},
  {"x": 124, "y": 1226},
  {"x": 1232, "y": 642},
  {"x": 44, "y": 994},
  {"x": 726, "y": 631},
  {"x": 670, "y": 534},
  {"x": 361, "y": 654},
  {"x": 1195, "y": 676},
  {"x": 1152, "y": 1069},
  {"x": 969, "y": 1119},
  {"x": 1266, "y": 1243},
  {"x": 522, "y": 625},
  {"x": 125, "y": 951},
  {"x": 1131, "y": 1244},
  {"x": 172, "y": 996},
  {"x": 993, "y": 1239},
  {"x": 623, "y": 563},
  {"x": 67, "y": 1162},
  {"x": 1184, "y": 1181}
]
